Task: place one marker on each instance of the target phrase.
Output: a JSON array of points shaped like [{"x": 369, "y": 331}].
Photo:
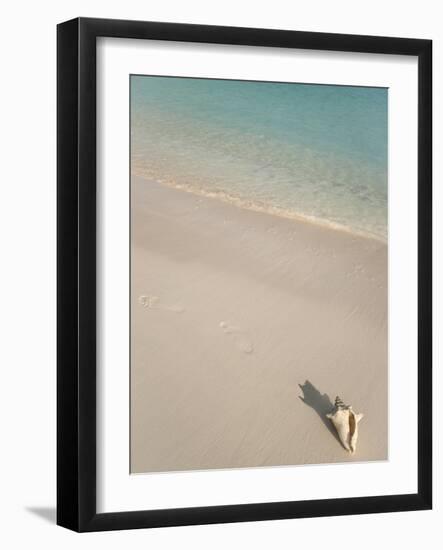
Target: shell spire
[{"x": 339, "y": 403}]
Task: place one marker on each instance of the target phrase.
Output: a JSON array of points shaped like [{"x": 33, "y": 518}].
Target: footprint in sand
[
  {"x": 241, "y": 337},
  {"x": 153, "y": 302}
]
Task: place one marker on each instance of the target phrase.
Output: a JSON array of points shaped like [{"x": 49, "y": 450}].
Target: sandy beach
[{"x": 244, "y": 328}]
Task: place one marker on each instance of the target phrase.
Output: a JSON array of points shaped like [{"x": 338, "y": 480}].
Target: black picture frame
[{"x": 76, "y": 266}]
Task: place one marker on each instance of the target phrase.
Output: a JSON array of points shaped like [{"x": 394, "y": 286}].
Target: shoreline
[
  {"x": 264, "y": 208},
  {"x": 245, "y": 326}
]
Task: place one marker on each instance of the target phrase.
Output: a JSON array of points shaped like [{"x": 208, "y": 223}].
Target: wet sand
[{"x": 244, "y": 328}]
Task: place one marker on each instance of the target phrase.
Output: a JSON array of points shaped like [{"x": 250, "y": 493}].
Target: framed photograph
[{"x": 244, "y": 274}]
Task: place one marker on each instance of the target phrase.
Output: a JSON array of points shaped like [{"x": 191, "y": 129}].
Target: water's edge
[{"x": 260, "y": 207}]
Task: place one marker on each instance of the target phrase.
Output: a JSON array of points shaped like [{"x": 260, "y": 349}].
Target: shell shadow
[{"x": 321, "y": 403}]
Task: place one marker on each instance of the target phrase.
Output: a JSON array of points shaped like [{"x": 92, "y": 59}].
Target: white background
[{"x": 27, "y": 232}]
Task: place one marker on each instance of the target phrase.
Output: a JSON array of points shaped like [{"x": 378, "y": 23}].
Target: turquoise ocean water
[{"x": 298, "y": 150}]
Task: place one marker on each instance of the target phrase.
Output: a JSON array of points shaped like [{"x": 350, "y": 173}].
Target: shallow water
[{"x": 311, "y": 151}]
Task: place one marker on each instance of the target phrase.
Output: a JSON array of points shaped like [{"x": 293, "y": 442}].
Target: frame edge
[
  {"x": 67, "y": 279},
  {"x": 424, "y": 183}
]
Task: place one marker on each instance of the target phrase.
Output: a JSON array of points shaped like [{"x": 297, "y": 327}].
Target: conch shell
[{"x": 346, "y": 422}]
